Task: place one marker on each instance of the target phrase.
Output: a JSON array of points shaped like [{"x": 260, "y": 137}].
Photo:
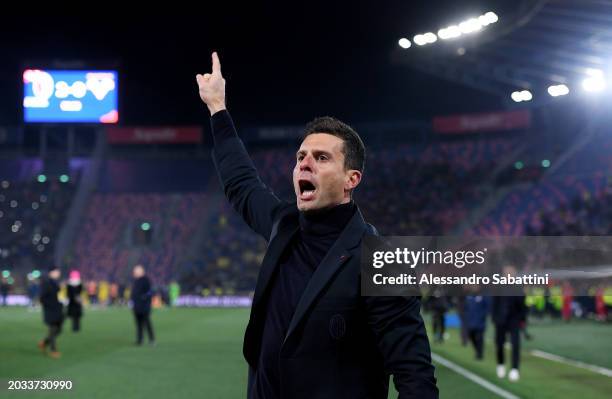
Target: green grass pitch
[{"x": 198, "y": 354}]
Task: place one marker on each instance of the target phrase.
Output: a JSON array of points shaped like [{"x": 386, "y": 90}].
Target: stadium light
[
  {"x": 450, "y": 32},
  {"x": 558, "y": 90},
  {"x": 419, "y": 40},
  {"x": 523, "y": 95},
  {"x": 518, "y": 165},
  {"x": 42, "y": 178},
  {"x": 6, "y": 273},
  {"x": 489, "y": 17},
  {"x": 404, "y": 43},
  {"x": 593, "y": 84},
  {"x": 36, "y": 273},
  {"x": 468, "y": 26},
  {"x": 545, "y": 163},
  {"x": 430, "y": 37},
  {"x": 145, "y": 226},
  {"x": 595, "y": 81},
  {"x": 64, "y": 178}
]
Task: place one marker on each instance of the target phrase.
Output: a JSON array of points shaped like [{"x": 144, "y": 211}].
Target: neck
[{"x": 327, "y": 221}]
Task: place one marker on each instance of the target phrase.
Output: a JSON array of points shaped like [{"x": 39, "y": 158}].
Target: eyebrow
[{"x": 315, "y": 152}]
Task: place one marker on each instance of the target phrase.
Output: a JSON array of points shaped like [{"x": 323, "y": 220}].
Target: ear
[{"x": 353, "y": 178}]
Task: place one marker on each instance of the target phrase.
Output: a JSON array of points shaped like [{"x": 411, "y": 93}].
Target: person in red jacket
[{"x": 568, "y": 297}]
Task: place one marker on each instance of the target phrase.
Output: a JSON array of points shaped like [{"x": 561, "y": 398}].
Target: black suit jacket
[
  {"x": 53, "y": 310},
  {"x": 509, "y": 310},
  {"x": 141, "y": 295},
  {"x": 339, "y": 343}
]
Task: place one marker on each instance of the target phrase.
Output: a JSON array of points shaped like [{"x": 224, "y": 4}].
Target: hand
[{"x": 212, "y": 87}]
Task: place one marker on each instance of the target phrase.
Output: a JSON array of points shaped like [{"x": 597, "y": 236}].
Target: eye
[
  {"x": 322, "y": 157},
  {"x": 300, "y": 157}
]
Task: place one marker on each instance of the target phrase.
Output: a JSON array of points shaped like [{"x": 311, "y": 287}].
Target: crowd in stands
[
  {"x": 31, "y": 216},
  {"x": 108, "y": 242},
  {"x": 407, "y": 190}
]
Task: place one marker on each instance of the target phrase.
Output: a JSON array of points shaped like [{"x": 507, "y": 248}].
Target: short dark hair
[{"x": 354, "y": 150}]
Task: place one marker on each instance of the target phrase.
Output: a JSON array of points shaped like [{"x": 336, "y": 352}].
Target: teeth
[{"x": 308, "y": 192}]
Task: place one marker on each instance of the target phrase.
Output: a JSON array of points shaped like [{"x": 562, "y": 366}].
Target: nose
[{"x": 306, "y": 164}]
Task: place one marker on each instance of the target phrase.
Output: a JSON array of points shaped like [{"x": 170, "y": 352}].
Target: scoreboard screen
[{"x": 70, "y": 96}]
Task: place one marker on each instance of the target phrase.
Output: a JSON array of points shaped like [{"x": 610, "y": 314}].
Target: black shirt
[{"x": 317, "y": 233}]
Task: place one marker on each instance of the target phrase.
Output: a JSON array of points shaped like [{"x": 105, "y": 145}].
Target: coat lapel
[
  {"x": 338, "y": 254},
  {"x": 287, "y": 229}
]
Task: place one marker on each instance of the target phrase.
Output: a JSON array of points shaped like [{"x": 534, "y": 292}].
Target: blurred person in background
[
  {"x": 438, "y": 304},
  {"x": 476, "y": 309},
  {"x": 568, "y": 298},
  {"x": 92, "y": 292},
  {"x": 75, "y": 308},
  {"x": 53, "y": 311},
  {"x": 174, "y": 292},
  {"x": 33, "y": 291},
  {"x": 600, "y": 306},
  {"x": 103, "y": 293},
  {"x": 4, "y": 290},
  {"x": 460, "y": 304},
  {"x": 114, "y": 294},
  {"x": 509, "y": 313},
  {"x": 141, "y": 295}
]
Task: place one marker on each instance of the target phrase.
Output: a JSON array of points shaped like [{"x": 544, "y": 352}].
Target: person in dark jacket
[
  {"x": 53, "y": 311},
  {"x": 476, "y": 309},
  {"x": 508, "y": 313},
  {"x": 439, "y": 304},
  {"x": 75, "y": 307},
  {"x": 141, "y": 296},
  {"x": 311, "y": 334},
  {"x": 4, "y": 291}
]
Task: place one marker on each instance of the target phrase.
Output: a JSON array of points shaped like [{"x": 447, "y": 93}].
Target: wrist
[{"x": 216, "y": 107}]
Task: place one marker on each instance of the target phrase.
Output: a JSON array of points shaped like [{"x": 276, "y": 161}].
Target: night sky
[{"x": 284, "y": 63}]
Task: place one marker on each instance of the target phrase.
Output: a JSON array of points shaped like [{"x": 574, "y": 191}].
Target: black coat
[
  {"x": 339, "y": 343},
  {"x": 141, "y": 295},
  {"x": 53, "y": 310},
  {"x": 75, "y": 308},
  {"x": 508, "y": 310}
]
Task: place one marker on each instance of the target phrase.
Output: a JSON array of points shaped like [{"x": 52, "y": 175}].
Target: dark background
[{"x": 285, "y": 62}]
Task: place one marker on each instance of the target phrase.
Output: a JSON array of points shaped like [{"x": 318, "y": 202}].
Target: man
[
  {"x": 141, "y": 302},
  {"x": 310, "y": 333},
  {"x": 439, "y": 305},
  {"x": 508, "y": 313},
  {"x": 476, "y": 309},
  {"x": 4, "y": 291},
  {"x": 75, "y": 307},
  {"x": 53, "y": 311}
]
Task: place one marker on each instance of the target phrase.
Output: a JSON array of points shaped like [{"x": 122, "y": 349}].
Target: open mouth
[{"x": 307, "y": 190}]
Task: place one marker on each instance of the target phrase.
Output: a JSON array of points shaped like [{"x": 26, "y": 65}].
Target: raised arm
[{"x": 252, "y": 199}]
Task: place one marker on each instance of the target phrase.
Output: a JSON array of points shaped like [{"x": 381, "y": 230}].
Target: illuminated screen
[{"x": 70, "y": 96}]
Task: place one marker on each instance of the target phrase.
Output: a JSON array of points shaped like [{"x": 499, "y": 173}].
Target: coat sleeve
[
  {"x": 247, "y": 194},
  {"x": 400, "y": 333}
]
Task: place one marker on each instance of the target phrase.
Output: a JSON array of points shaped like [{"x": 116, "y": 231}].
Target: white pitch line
[
  {"x": 473, "y": 377},
  {"x": 571, "y": 362}
]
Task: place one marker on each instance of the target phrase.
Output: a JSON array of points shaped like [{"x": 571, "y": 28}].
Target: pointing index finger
[{"x": 216, "y": 64}]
